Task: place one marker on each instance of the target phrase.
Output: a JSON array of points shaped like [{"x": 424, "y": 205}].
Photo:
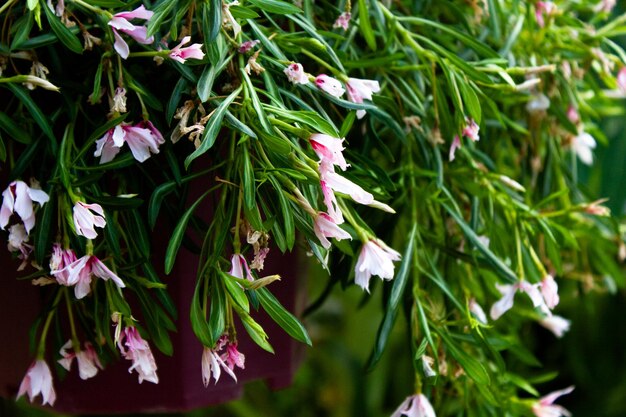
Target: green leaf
[
  {"x": 287, "y": 214},
  {"x": 256, "y": 332},
  {"x": 13, "y": 130},
  {"x": 24, "y": 24},
  {"x": 217, "y": 313},
  {"x": 107, "y": 3},
  {"x": 241, "y": 12},
  {"x": 172, "y": 103},
  {"x": 117, "y": 203},
  {"x": 199, "y": 324},
  {"x": 470, "y": 99},
  {"x": 247, "y": 178},
  {"x": 35, "y": 111},
  {"x": 178, "y": 234},
  {"x": 161, "y": 11},
  {"x": 211, "y": 19},
  {"x": 275, "y": 6},
  {"x": 212, "y": 127},
  {"x": 43, "y": 231},
  {"x": 62, "y": 32},
  {"x": 365, "y": 25},
  {"x": 472, "y": 367},
  {"x": 236, "y": 291},
  {"x": 287, "y": 321},
  {"x": 393, "y": 302}
]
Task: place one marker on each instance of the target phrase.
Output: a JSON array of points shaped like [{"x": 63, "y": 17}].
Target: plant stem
[{"x": 41, "y": 349}]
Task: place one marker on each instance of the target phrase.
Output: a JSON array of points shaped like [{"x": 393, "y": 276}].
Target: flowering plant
[{"x": 434, "y": 145}]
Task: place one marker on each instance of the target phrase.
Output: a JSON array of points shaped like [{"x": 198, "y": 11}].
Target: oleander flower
[
  {"x": 38, "y": 380},
  {"x": 505, "y": 303},
  {"x": 358, "y": 90},
  {"x": 120, "y": 22},
  {"x": 583, "y": 145},
  {"x": 19, "y": 198},
  {"x": 376, "y": 258},
  {"x": 549, "y": 291},
  {"x": 81, "y": 271},
  {"x": 329, "y": 85},
  {"x": 343, "y": 21},
  {"x": 87, "y": 359},
  {"x": 239, "y": 267},
  {"x": 143, "y": 139},
  {"x": 180, "y": 54},
  {"x": 232, "y": 357},
  {"x": 85, "y": 220},
  {"x": 545, "y": 406},
  {"x": 138, "y": 351},
  {"x": 556, "y": 324},
  {"x": 329, "y": 149},
  {"x": 324, "y": 227},
  {"x": 295, "y": 73},
  {"x": 415, "y": 406},
  {"x": 212, "y": 366},
  {"x": 59, "y": 261}
]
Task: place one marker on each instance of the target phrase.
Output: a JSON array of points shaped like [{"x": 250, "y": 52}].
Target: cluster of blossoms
[{"x": 224, "y": 356}]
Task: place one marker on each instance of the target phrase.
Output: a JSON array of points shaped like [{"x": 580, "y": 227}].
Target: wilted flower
[
  {"x": 556, "y": 324},
  {"x": 295, "y": 73},
  {"x": 508, "y": 293},
  {"x": 233, "y": 357},
  {"x": 88, "y": 362},
  {"x": 18, "y": 198},
  {"x": 324, "y": 227},
  {"x": 90, "y": 40},
  {"x": 470, "y": 131},
  {"x": 182, "y": 54},
  {"x": 415, "y": 406},
  {"x": 38, "y": 380},
  {"x": 248, "y": 45},
  {"x": 252, "y": 65},
  {"x": 427, "y": 366},
  {"x": 59, "y": 261},
  {"x": 81, "y": 271},
  {"x": 376, "y": 258},
  {"x": 118, "y": 104},
  {"x": 329, "y": 149},
  {"x": 595, "y": 208},
  {"x": 85, "y": 220},
  {"x": 456, "y": 144},
  {"x": 343, "y": 21},
  {"x": 330, "y": 85},
  {"x": 212, "y": 365},
  {"x": 17, "y": 237},
  {"x": 545, "y": 407},
  {"x": 138, "y": 351},
  {"x": 120, "y": 22},
  {"x": 582, "y": 145},
  {"x": 358, "y": 90},
  {"x": 228, "y": 20}
]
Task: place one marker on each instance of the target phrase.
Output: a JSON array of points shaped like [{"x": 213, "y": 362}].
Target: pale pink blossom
[
  {"x": 258, "y": 261},
  {"x": 477, "y": 311},
  {"x": 508, "y": 294},
  {"x": 233, "y": 357},
  {"x": 545, "y": 406},
  {"x": 376, "y": 258},
  {"x": 239, "y": 267},
  {"x": 583, "y": 145},
  {"x": 38, "y": 380},
  {"x": 18, "y": 198},
  {"x": 17, "y": 237},
  {"x": 359, "y": 90},
  {"x": 248, "y": 45},
  {"x": 59, "y": 261},
  {"x": 331, "y": 203},
  {"x": 549, "y": 291},
  {"x": 556, "y": 324},
  {"x": 456, "y": 144},
  {"x": 88, "y": 361},
  {"x": 325, "y": 227},
  {"x": 343, "y": 21},
  {"x": 621, "y": 80},
  {"x": 471, "y": 129},
  {"x": 143, "y": 139},
  {"x": 120, "y": 22},
  {"x": 85, "y": 220},
  {"x": 329, "y": 149},
  {"x": 212, "y": 366},
  {"x": 138, "y": 351},
  {"x": 343, "y": 185},
  {"x": 81, "y": 271},
  {"x": 180, "y": 54},
  {"x": 572, "y": 115},
  {"x": 605, "y": 6},
  {"x": 415, "y": 406},
  {"x": 329, "y": 85},
  {"x": 295, "y": 73},
  {"x": 544, "y": 9}
]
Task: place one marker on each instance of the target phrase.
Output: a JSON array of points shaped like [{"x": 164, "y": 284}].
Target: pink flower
[
  {"x": 233, "y": 357},
  {"x": 328, "y": 149},
  {"x": 239, "y": 267},
  {"x": 572, "y": 115},
  {"x": 120, "y": 22},
  {"x": 18, "y": 198},
  {"x": 88, "y": 362},
  {"x": 605, "y": 6},
  {"x": 295, "y": 73},
  {"x": 359, "y": 89},
  {"x": 556, "y": 324},
  {"x": 549, "y": 291},
  {"x": 456, "y": 144},
  {"x": 81, "y": 271},
  {"x": 343, "y": 185},
  {"x": 583, "y": 146},
  {"x": 38, "y": 380},
  {"x": 343, "y": 21},
  {"x": 415, "y": 406},
  {"x": 85, "y": 220},
  {"x": 331, "y": 203},
  {"x": 375, "y": 258},
  {"x": 248, "y": 45},
  {"x": 545, "y": 407},
  {"x": 471, "y": 129},
  {"x": 212, "y": 365},
  {"x": 139, "y": 353},
  {"x": 508, "y": 293},
  {"x": 325, "y": 227},
  {"x": 143, "y": 139},
  {"x": 544, "y": 8},
  {"x": 182, "y": 54},
  {"x": 59, "y": 261},
  {"x": 477, "y": 311},
  {"x": 330, "y": 85},
  {"x": 621, "y": 80}
]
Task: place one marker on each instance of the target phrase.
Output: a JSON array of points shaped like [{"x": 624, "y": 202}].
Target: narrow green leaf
[
  {"x": 470, "y": 99},
  {"x": 236, "y": 291},
  {"x": 256, "y": 332},
  {"x": 161, "y": 12},
  {"x": 43, "y": 231},
  {"x": 212, "y": 19},
  {"x": 287, "y": 321},
  {"x": 199, "y": 324},
  {"x": 13, "y": 130},
  {"x": 472, "y": 367},
  {"x": 276, "y": 6},
  {"x": 172, "y": 103},
  {"x": 365, "y": 25},
  {"x": 393, "y": 302},
  {"x": 248, "y": 182},
  {"x": 217, "y": 312},
  {"x": 241, "y": 12},
  {"x": 35, "y": 111},
  {"x": 62, "y": 32}
]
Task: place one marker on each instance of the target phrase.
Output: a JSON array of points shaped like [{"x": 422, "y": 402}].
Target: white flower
[
  {"x": 18, "y": 198},
  {"x": 415, "y": 406},
  {"x": 556, "y": 324},
  {"x": 375, "y": 258},
  {"x": 545, "y": 407},
  {"x": 359, "y": 89},
  {"x": 330, "y": 85},
  {"x": 582, "y": 145},
  {"x": 295, "y": 73},
  {"x": 325, "y": 227},
  {"x": 85, "y": 220}
]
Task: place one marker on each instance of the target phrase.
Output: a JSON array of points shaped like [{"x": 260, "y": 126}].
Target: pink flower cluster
[
  {"x": 180, "y": 54},
  {"x": 138, "y": 351},
  {"x": 142, "y": 139},
  {"x": 470, "y": 131},
  {"x": 213, "y": 362},
  {"x": 70, "y": 271}
]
